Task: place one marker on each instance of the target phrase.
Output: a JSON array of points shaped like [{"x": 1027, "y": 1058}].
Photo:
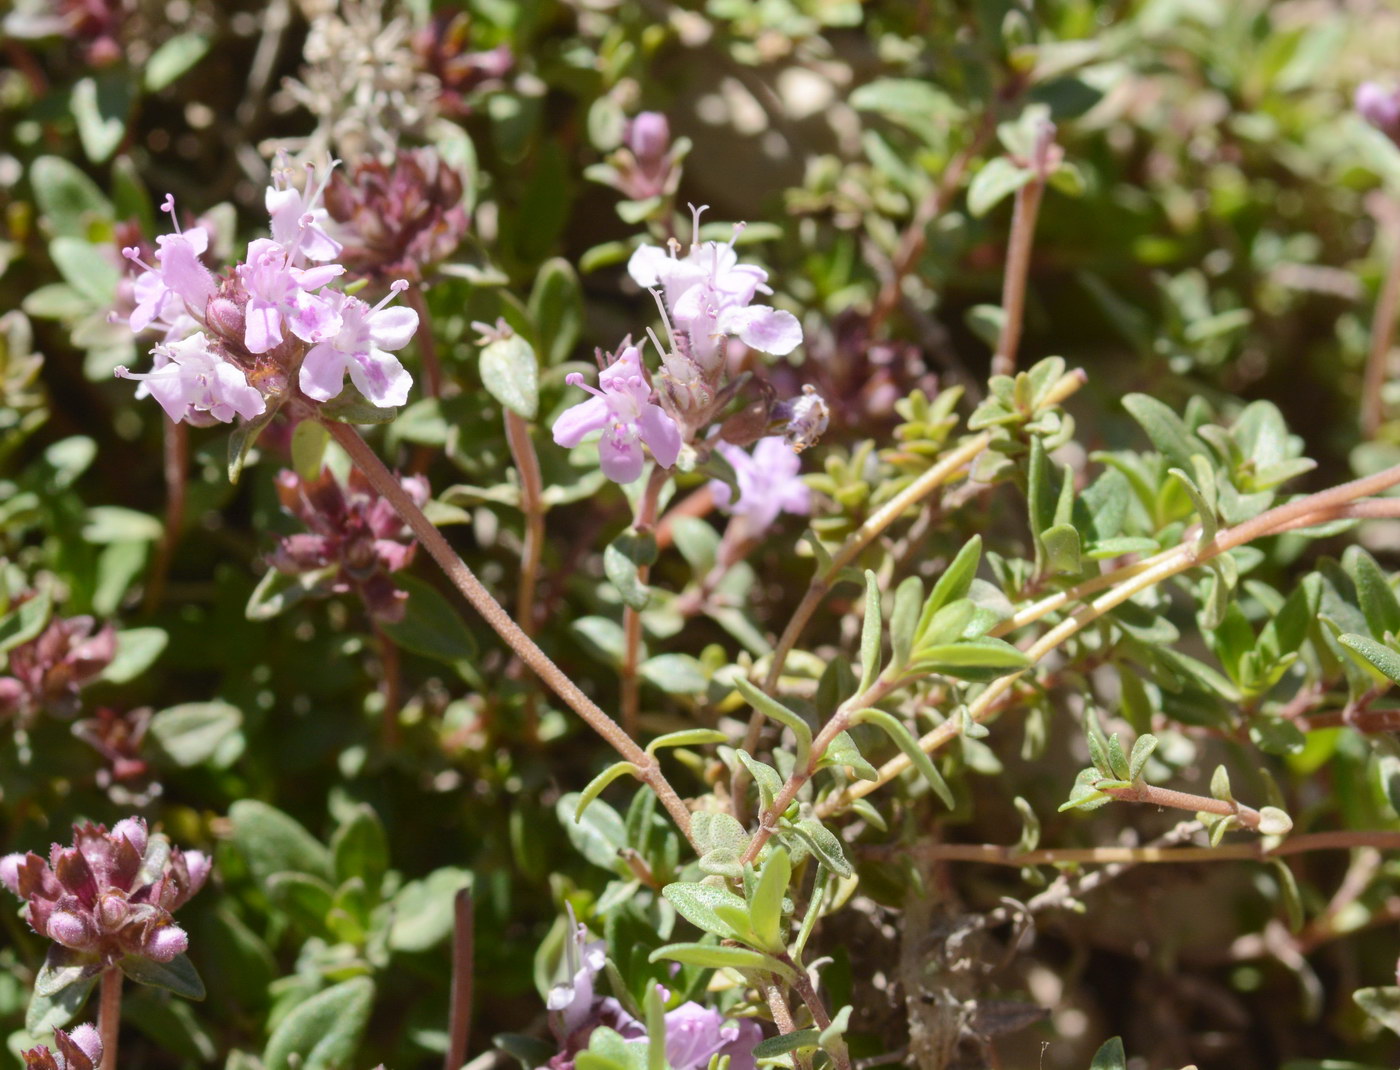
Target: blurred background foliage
[{"x": 1220, "y": 231}]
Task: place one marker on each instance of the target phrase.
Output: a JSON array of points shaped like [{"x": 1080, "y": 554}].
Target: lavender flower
[
  {"x": 623, "y": 410},
  {"x": 695, "y": 1033},
  {"x": 710, "y": 294},
  {"x": 769, "y": 484},
  {"x": 361, "y": 347},
  {"x": 109, "y": 895},
  {"x": 49, "y": 671},
  {"x": 278, "y": 292},
  {"x": 190, "y": 377},
  {"x": 78, "y": 1049},
  {"x": 173, "y": 295},
  {"x": 298, "y": 218}
]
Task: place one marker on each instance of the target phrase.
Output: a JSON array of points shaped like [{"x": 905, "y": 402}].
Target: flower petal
[
  {"x": 647, "y": 264},
  {"x": 323, "y": 372},
  {"x": 620, "y": 456},
  {"x": 380, "y": 378},
  {"x": 660, "y": 432},
  {"x": 769, "y": 330},
  {"x": 393, "y": 327},
  {"x": 578, "y": 420},
  {"x": 263, "y": 328}
]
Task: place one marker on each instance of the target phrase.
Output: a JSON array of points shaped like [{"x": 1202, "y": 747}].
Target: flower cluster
[
  {"x": 109, "y": 895},
  {"x": 48, "y": 672},
  {"x": 443, "y": 49},
  {"x": 228, "y": 344},
  {"x": 399, "y": 219},
  {"x": 648, "y": 163},
  {"x": 356, "y": 539},
  {"x": 80, "y": 1048},
  {"x": 693, "y": 1033},
  {"x": 96, "y": 25}
]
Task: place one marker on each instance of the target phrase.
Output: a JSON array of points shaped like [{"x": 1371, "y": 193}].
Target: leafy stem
[{"x": 465, "y": 580}]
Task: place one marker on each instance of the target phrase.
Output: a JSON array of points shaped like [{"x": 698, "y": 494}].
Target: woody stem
[{"x": 109, "y": 1015}]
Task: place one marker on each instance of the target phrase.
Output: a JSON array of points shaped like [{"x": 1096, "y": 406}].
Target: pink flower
[
  {"x": 298, "y": 218},
  {"x": 190, "y": 378},
  {"x": 769, "y": 483},
  {"x": 178, "y": 290},
  {"x": 361, "y": 347},
  {"x": 277, "y": 291},
  {"x": 710, "y": 294},
  {"x": 623, "y": 410}
]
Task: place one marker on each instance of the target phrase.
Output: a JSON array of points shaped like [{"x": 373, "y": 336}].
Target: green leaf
[
  {"x": 510, "y": 372},
  {"x": 100, "y": 106},
  {"x": 305, "y": 901},
  {"x": 1203, "y": 507},
  {"x": 870, "y": 633},
  {"x": 1111, "y": 1056},
  {"x": 1143, "y": 747},
  {"x": 825, "y": 844},
  {"x": 598, "y": 835},
  {"x": 623, "y": 560},
  {"x": 1373, "y": 654},
  {"x": 905, "y": 741},
  {"x": 63, "y": 968},
  {"x": 178, "y": 975},
  {"x": 1165, "y": 429},
  {"x": 1373, "y": 592},
  {"x": 766, "y": 911},
  {"x": 1062, "y": 549},
  {"x": 1382, "y": 1004},
  {"x": 687, "y": 737},
  {"x": 602, "y": 780},
  {"x": 351, "y": 407},
  {"x": 718, "y": 956},
  {"x": 323, "y": 1032},
  {"x": 423, "y": 909},
  {"x": 904, "y": 620},
  {"x": 1116, "y": 760},
  {"x": 431, "y": 626},
  {"x": 997, "y": 180},
  {"x": 360, "y": 848},
  {"x": 842, "y": 751},
  {"x": 244, "y": 436},
  {"x": 556, "y": 309},
  {"x": 25, "y": 621},
  {"x": 783, "y": 1043},
  {"x": 174, "y": 58},
  {"x": 272, "y": 842},
  {"x": 769, "y": 781},
  {"x": 1276, "y": 735},
  {"x": 86, "y": 268},
  {"x": 105, "y": 524},
  {"x": 54, "y": 1011},
  {"x": 137, "y": 651},
  {"x": 309, "y": 441},
  {"x": 192, "y": 733},
  {"x": 1288, "y": 891},
  {"x": 69, "y": 200},
  {"x": 775, "y": 710},
  {"x": 676, "y": 674},
  {"x": 972, "y": 659},
  {"x": 700, "y": 904}
]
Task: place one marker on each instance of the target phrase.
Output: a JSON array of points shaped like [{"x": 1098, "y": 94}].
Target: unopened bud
[
  {"x": 9, "y": 871},
  {"x": 649, "y": 136},
  {"x": 70, "y": 930},
  {"x": 88, "y": 1040},
  {"x": 164, "y": 942},
  {"x": 226, "y": 318},
  {"x": 1379, "y": 106},
  {"x": 134, "y": 829},
  {"x": 112, "y": 911}
]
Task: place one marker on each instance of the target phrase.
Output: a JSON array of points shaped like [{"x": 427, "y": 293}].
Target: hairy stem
[
  {"x": 1181, "y": 800},
  {"x": 427, "y": 347},
  {"x": 1018, "y": 264},
  {"x": 997, "y": 855},
  {"x": 527, "y": 464},
  {"x": 460, "y": 1013},
  {"x": 465, "y": 580},
  {"x": 632, "y": 618},
  {"x": 1382, "y": 333},
  {"x": 803, "y": 984},
  {"x": 175, "y": 454},
  {"x": 109, "y": 1015},
  {"x": 389, "y": 687}
]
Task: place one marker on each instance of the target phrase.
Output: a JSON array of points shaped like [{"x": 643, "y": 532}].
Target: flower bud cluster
[
  {"x": 230, "y": 344},
  {"x": 355, "y": 536},
  {"x": 48, "y": 673},
  {"x": 80, "y": 1048},
  {"x": 109, "y": 895},
  {"x": 443, "y": 49},
  {"x": 648, "y": 163}
]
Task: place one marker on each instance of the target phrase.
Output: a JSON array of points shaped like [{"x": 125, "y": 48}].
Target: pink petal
[
  {"x": 323, "y": 372},
  {"x": 264, "y": 326},
  {"x": 380, "y": 378},
  {"x": 769, "y": 330},
  {"x": 393, "y": 327},
  {"x": 578, "y": 420},
  {"x": 620, "y": 457},
  {"x": 647, "y": 265},
  {"x": 660, "y": 432}
]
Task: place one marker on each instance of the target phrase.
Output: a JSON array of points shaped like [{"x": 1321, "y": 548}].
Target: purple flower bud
[
  {"x": 89, "y": 1040},
  {"x": 9, "y": 871},
  {"x": 70, "y": 930},
  {"x": 1379, "y": 106},
  {"x": 649, "y": 136},
  {"x": 164, "y": 942},
  {"x": 134, "y": 829},
  {"x": 199, "y": 864},
  {"x": 112, "y": 911},
  {"x": 226, "y": 319}
]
